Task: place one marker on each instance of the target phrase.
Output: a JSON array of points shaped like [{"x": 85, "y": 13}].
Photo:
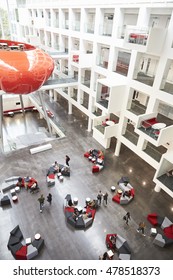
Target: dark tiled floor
[{"x": 61, "y": 240}]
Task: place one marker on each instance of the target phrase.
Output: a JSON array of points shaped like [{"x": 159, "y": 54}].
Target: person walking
[
  {"x": 67, "y": 159},
  {"x": 41, "y": 200},
  {"x": 127, "y": 218},
  {"x": 49, "y": 198},
  {"x": 105, "y": 198},
  {"x": 141, "y": 228},
  {"x": 99, "y": 197}
]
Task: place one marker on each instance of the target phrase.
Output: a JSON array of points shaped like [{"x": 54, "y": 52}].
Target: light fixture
[{"x": 143, "y": 183}]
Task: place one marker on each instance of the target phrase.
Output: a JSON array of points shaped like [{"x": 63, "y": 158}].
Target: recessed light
[
  {"x": 143, "y": 183},
  {"x": 172, "y": 209},
  {"x": 130, "y": 170}
]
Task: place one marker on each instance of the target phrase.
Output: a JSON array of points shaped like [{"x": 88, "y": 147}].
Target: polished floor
[{"x": 61, "y": 240}]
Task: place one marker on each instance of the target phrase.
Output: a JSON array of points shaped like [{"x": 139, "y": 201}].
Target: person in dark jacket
[
  {"x": 67, "y": 159},
  {"x": 49, "y": 198}
]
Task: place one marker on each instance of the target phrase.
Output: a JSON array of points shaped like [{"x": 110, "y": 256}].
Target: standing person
[
  {"x": 141, "y": 228},
  {"x": 41, "y": 200},
  {"x": 105, "y": 198},
  {"x": 99, "y": 197},
  {"x": 67, "y": 159},
  {"x": 49, "y": 198},
  {"x": 127, "y": 218}
]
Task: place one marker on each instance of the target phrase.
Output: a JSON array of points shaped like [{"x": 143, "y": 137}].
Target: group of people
[
  {"x": 41, "y": 201},
  {"x": 101, "y": 196},
  {"x": 27, "y": 183}
]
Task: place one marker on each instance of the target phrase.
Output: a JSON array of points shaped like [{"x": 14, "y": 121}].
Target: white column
[
  {"x": 118, "y": 147},
  {"x": 51, "y": 93},
  {"x": 89, "y": 124},
  {"x": 69, "y": 108},
  {"x": 157, "y": 188},
  {"x": 55, "y": 96}
]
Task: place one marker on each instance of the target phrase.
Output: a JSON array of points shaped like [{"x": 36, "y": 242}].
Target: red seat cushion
[
  {"x": 152, "y": 218},
  {"x": 168, "y": 231},
  {"x": 86, "y": 155},
  {"x": 69, "y": 209},
  {"x": 116, "y": 198},
  {"x": 21, "y": 253},
  {"x": 95, "y": 169},
  {"x": 51, "y": 176},
  {"x": 92, "y": 211}
]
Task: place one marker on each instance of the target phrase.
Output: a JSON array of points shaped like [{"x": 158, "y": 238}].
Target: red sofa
[{"x": 148, "y": 123}]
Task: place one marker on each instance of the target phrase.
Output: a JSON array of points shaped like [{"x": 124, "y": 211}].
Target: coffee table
[{"x": 158, "y": 126}]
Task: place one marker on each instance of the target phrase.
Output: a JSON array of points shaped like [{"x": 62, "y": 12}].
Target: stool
[
  {"x": 119, "y": 191},
  {"x": 14, "y": 198},
  {"x": 59, "y": 174},
  {"x": 13, "y": 192},
  {"x": 88, "y": 199},
  {"x": 110, "y": 254},
  {"x": 90, "y": 158},
  {"x": 93, "y": 160},
  {"x": 80, "y": 209},
  {"x": 153, "y": 231},
  {"x": 37, "y": 236},
  {"x": 75, "y": 200},
  {"x": 61, "y": 178},
  {"x": 28, "y": 240},
  {"x": 113, "y": 188},
  {"x": 17, "y": 189}
]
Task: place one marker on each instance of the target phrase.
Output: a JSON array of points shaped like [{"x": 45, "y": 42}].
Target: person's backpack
[{"x": 124, "y": 218}]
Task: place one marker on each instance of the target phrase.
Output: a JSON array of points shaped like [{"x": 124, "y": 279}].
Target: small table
[
  {"x": 119, "y": 191},
  {"x": 110, "y": 123},
  {"x": 75, "y": 200},
  {"x": 28, "y": 240},
  {"x": 110, "y": 254},
  {"x": 14, "y": 198},
  {"x": 153, "y": 231},
  {"x": 113, "y": 188},
  {"x": 88, "y": 199},
  {"x": 37, "y": 236},
  {"x": 17, "y": 189},
  {"x": 158, "y": 126}
]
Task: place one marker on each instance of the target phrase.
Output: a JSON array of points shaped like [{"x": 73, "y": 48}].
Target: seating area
[
  {"x": 119, "y": 244},
  {"x": 166, "y": 237},
  {"x": 24, "y": 250},
  {"x": 77, "y": 216},
  {"x": 148, "y": 123},
  {"x": 97, "y": 158},
  {"x": 57, "y": 170},
  {"x": 124, "y": 192}
]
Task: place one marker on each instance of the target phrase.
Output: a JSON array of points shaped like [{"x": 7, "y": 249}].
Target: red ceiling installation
[{"x": 23, "y": 68}]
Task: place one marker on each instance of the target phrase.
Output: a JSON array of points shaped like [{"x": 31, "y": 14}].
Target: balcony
[
  {"x": 106, "y": 29},
  {"x": 130, "y": 134},
  {"x": 89, "y": 28},
  {"x": 137, "y": 108},
  {"x": 106, "y": 125},
  {"x": 155, "y": 152},
  {"x": 157, "y": 128},
  {"x": 144, "y": 78}
]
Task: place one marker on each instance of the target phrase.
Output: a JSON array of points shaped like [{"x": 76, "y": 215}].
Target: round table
[
  {"x": 37, "y": 236},
  {"x": 110, "y": 123},
  {"x": 14, "y": 198},
  {"x": 113, "y": 188},
  {"x": 17, "y": 189},
  {"x": 88, "y": 199},
  {"x": 119, "y": 191},
  {"x": 158, "y": 125},
  {"x": 75, "y": 200}
]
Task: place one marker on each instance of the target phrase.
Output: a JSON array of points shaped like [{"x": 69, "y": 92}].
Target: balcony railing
[
  {"x": 167, "y": 181},
  {"x": 90, "y": 28},
  {"x": 137, "y": 108},
  {"x": 145, "y": 79},
  {"x": 131, "y": 136},
  {"x": 152, "y": 152},
  {"x": 106, "y": 29}
]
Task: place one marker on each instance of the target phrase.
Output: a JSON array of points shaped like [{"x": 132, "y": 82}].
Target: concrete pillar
[
  {"x": 45, "y": 113},
  {"x": 55, "y": 97},
  {"x": 69, "y": 108},
  {"x": 89, "y": 124},
  {"x": 1, "y": 121},
  {"x": 118, "y": 147},
  {"x": 157, "y": 188},
  {"x": 22, "y": 104},
  {"x": 51, "y": 93}
]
